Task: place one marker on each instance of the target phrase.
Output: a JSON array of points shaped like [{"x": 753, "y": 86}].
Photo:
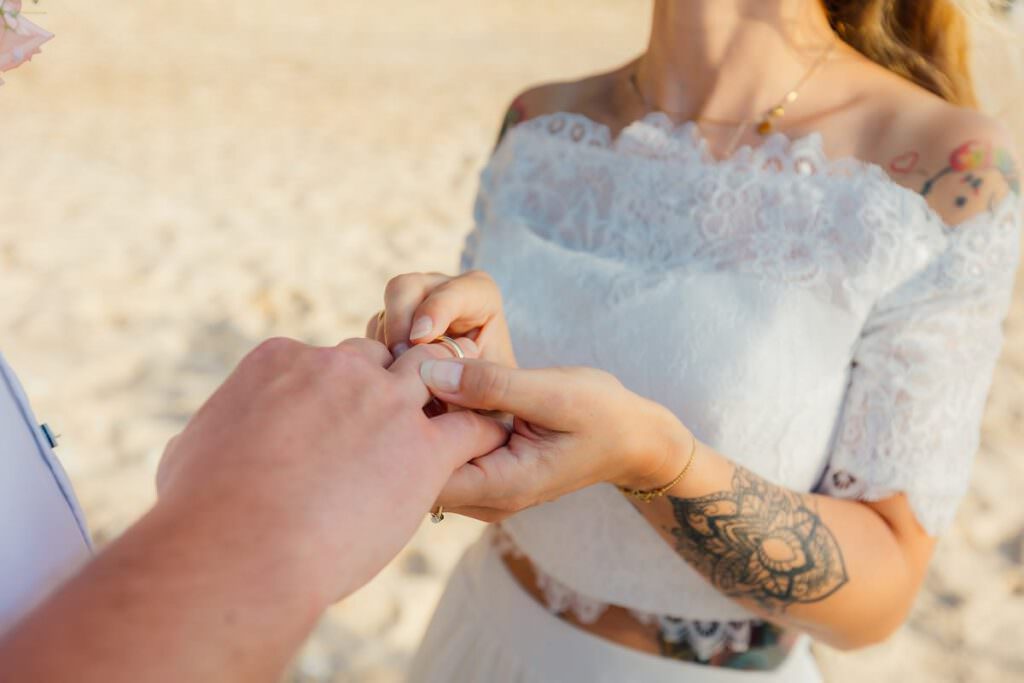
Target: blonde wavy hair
[{"x": 926, "y": 41}]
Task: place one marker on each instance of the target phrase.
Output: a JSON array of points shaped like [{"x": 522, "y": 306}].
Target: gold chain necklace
[{"x": 765, "y": 123}]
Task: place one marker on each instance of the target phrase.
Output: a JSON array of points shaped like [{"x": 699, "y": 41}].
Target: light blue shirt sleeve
[{"x": 43, "y": 538}]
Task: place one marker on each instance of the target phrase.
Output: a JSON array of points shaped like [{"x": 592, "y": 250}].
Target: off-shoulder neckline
[{"x": 579, "y": 129}]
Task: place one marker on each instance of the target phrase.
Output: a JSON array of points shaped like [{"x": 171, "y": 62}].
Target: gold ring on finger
[
  {"x": 437, "y": 516},
  {"x": 451, "y": 345}
]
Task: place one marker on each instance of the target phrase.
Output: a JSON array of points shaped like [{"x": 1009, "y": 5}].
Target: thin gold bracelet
[{"x": 650, "y": 494}]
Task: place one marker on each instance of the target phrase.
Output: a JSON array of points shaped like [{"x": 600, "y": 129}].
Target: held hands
[
  {"x": 573, "y": 427},
  {"x": 420, "y": 307},
  {"x": 318, "y": 462}
]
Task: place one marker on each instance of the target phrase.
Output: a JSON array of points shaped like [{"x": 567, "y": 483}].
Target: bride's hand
[
  {"x": 574, "y": 427},
  {"x": 420, "y": 307}
]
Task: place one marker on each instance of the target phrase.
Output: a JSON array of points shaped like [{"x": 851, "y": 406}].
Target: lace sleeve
[{"x": 921, "y": 372}]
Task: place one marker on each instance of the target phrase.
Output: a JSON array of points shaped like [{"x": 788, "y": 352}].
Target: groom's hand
[
  {"x": 291, "y": 487},
  {"x": 320, "y": 458}
]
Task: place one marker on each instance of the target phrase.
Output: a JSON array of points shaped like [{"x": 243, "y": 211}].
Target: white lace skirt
[{"x": 488, "y": 629}]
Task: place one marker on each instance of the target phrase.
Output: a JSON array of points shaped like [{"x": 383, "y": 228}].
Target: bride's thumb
[{"x": 545, "y": 397}]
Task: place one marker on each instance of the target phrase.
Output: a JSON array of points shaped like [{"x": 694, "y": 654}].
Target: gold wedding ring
[{"x": 451, "y": 345}]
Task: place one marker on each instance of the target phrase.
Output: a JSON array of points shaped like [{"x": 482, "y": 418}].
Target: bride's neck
[{"x": 733, "y": 57}]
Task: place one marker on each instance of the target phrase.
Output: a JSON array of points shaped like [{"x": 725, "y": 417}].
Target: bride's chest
[
  {"x": 842, "y": 237},
  {"x": 750, "y": 283}
]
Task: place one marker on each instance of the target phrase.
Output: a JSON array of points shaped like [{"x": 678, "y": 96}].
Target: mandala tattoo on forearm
[{"x": 760, "y": 542}]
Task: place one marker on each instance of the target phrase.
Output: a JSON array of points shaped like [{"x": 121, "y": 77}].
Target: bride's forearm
[{"x": 844, "y": 571}]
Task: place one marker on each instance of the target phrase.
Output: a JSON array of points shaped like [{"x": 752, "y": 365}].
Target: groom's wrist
[{"x": 265, "y": 554}]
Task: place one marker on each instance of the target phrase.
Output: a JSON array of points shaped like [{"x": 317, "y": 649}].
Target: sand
[{"x": 184, "y": 180}]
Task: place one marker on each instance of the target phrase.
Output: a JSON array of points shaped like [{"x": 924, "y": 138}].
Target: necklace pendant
[{"x": 765, "y": 127}]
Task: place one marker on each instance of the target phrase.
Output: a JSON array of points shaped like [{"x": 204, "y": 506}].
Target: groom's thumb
[{"x": 549, "y": 398}]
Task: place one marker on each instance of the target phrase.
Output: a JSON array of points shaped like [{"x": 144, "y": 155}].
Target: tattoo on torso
[{"x": 760, "y": 542}]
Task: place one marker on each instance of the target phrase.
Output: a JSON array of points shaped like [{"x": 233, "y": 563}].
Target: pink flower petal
[{"x": 20, "y": 39}]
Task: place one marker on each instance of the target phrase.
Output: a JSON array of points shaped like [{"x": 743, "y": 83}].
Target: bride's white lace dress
[{"x": 809, "y": 318}]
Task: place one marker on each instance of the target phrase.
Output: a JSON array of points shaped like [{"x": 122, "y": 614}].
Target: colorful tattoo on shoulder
[
  {"x": 516, "y": 113},
  {"x": 967, "y": 166}
]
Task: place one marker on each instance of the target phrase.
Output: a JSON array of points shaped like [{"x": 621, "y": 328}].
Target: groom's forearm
[{"x": 182, "y": 596}]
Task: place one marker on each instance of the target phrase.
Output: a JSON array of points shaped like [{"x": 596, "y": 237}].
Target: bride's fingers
[
  {"x": 465, "y": 488},
  {"x": 463, "y": 436},
  {"x": 407, "y": 366},
  {"x": 458, "y": 306},
  {"x": 558, "y": 399},
  {"x": 500, "y": 480},
  {"x": 401, "y": 297},
  {"x": 373, "y": 324}
]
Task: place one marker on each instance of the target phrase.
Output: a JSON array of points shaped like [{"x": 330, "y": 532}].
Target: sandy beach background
[{"x": 183, "y": 180}]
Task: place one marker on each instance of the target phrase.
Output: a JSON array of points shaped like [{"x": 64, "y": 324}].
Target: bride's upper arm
[
  {"x": 962, "y": 162},
  {"x": 546, "y": 98}
]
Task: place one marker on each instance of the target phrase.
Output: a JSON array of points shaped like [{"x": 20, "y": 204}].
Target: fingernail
[
  {"x": 400, "y": 348},
  {"x": 443, "y": 375},
  {"x": 421, "y": 328}
]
